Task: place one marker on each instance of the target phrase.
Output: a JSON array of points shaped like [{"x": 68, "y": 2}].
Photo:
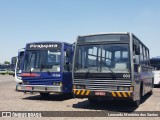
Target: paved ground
[{"x": 11, "y": 100}]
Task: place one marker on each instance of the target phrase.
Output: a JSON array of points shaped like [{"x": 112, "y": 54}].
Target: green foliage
[{"x": 7, "y": 63}]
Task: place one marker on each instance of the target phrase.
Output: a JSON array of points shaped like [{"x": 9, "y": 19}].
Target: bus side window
[
  {"x": 136, "y": 54},
  {"x": 147, "y": 55},
  {"x": 141, "y": 55}
]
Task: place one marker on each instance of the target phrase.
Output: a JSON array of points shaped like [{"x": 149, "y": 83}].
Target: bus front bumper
[
  {"x": 40, "y": 88},
  {"x": 82, "y": 93}
]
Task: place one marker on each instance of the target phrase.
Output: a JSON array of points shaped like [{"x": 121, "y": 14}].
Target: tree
[{"x": 7, "y": 63}]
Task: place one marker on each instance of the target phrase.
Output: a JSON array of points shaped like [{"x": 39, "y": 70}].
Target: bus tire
[
  {"x": 68, "y": 95},
  {"x": 141, "y": 90},
  {"x": 150, "y": 92},
  {"x": 44, "y": 95},
  {"x": 137, "y": 103},
  {"x": 92, "y": 100}
]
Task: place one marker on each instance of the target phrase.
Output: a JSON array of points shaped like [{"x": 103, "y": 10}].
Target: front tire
[
  {"x": 92, "y": 100},
  {"x": 137, "y": 103},
  {"x": 69, "y": 95},
  {"x": 151, "y": 92},
  {"x": 44, "y": 95}
]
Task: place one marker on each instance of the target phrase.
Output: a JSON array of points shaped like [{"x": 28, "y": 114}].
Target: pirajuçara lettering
[{"x": 43, "y": 46}]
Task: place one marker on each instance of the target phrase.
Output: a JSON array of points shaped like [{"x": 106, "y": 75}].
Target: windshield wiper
[
  {"x": 89, "y": 68},
  {"x": 30, "y": 71},
  {"x": 43, "y": 64},
  {"x": 113, "y": 74}
]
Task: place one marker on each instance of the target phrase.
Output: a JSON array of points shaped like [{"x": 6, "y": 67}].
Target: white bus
[
  {"x": 18, "y": 67},
  {"x": 155, "y": 63}
]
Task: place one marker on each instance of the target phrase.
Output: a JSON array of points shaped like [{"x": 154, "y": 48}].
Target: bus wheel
[
  {"x": 92, "y": 100},
  {"x": 137, "y": 103},
  {"x": 150, "y": 92},
  {"x": 68, "y": 95},
  {"x": 44, "y": 95}
]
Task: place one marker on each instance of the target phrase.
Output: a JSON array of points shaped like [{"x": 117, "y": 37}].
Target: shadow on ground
[
  {"x": 52, "y": 97},
  {"x": 157, "y": 86},
  {"x": 110, "y": 105}
]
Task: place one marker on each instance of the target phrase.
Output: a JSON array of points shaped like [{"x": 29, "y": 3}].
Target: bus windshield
[
  {"x": 42, "y": 61},
  {"x": 19, "y": 62},
  {"x": 104, "y": 58}
]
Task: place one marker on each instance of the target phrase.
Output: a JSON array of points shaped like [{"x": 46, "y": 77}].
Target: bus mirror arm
[
  {"x": 68, "y": 66},
  {"x": 68, "y": 53},
  {"x": 137, "y": 51}
]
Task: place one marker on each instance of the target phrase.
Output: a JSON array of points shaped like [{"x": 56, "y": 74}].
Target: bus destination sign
[{"x": 44, "y": 46}]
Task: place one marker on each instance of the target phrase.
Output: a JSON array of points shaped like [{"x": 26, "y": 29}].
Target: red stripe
[{"x": 29, "y": 75}]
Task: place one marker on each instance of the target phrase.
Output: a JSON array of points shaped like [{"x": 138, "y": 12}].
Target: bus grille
[{"x": 102, "y": 85}]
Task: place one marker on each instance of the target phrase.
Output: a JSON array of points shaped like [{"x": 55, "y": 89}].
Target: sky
[{"x": 24, "y": 21}]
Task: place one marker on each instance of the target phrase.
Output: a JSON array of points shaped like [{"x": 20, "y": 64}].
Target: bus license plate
[
  {"x": 100, "y": 93},
  {"x": 28, "y": 88}
]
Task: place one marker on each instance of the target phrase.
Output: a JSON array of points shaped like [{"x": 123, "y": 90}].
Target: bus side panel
[
  {"x": 143, "y": 82},
  {"x": 147, "y": 78},
  {"x": 67, "y": 82},
  {"x": 136, "y": 83}
]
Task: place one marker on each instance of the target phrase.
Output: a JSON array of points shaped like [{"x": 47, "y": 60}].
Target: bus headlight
[
  {"x": 123, "y": 88},
  {"x": 120, "y": 88},
  {"x": 26, "y": 83},
  {"x": 78, "y": 87},
  {"x": 57, "y": 83},
  {"x": 126, "y": 88}
]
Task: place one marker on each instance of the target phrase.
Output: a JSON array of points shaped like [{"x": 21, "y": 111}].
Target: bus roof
[
  {"x": 123, "y": 33},
  {"x": 48, "y": 42},
  {"x": 104, "y": 34},
  {"x": 155, "y": 58}
]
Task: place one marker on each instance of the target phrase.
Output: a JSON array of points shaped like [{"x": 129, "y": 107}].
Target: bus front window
[
  {"x": 103, "y": 58},
  {"x": 115, "y": 57},
  {"x": 87, "y": 58},
  {"x": 42, "y": 61}
]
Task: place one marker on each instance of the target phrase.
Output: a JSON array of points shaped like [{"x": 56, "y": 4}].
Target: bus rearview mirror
[
  {"x": 19, "y": 71},
  {"x": 67, "y": 53},
  {"x": 137, "y": 51}
]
